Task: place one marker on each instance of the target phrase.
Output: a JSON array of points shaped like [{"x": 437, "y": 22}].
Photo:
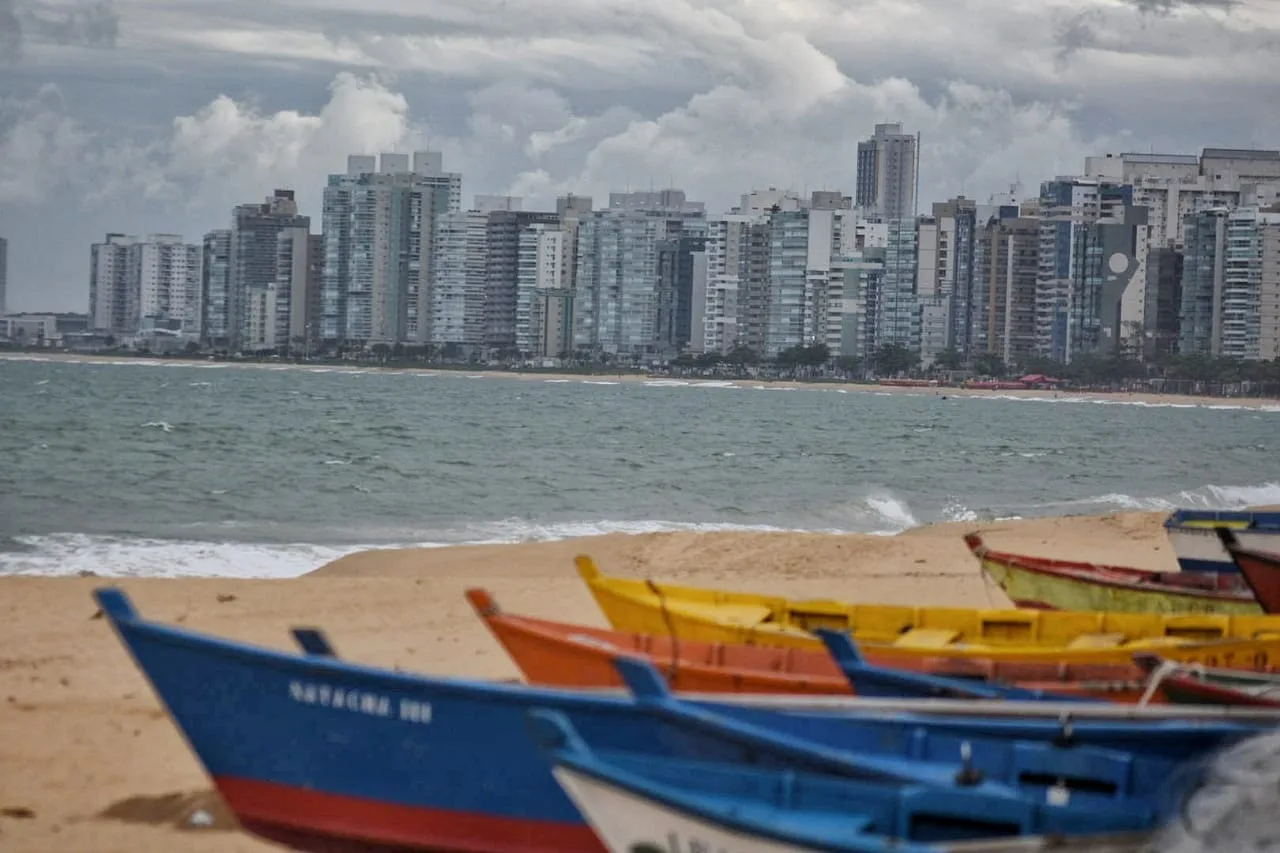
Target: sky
[{"x": 143, "y": 116}]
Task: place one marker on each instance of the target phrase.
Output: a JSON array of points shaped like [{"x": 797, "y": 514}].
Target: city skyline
[
  {"x": 158, "y": 119},
  {"x": 1139, "y": 254}
]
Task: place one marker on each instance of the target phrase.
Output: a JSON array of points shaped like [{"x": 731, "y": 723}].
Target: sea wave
[
  {"x": 878, "y": 512},
  {"x": 71, "y": 554},
  {"x": 1203, "y": 497}
]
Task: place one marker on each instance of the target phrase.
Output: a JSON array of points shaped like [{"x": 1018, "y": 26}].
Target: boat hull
[
  {"x": 1262, "y": 571},
  {"x": 1198, "y": 547},
  {"x": 306, "y": 819},
  {"x": 1188, "y": 690},
  {"x": 1044, "y": 590},
  {"x": 719, "y": 808},
  {"x": 627, "y": 823},
  {"x": 896, "y": 633},
  {"x": 563, "y": 655},
  {"x": 334, "y": 755}
]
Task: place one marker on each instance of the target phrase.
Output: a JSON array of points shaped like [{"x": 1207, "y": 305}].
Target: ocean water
[{"x": 166, "y": 468}]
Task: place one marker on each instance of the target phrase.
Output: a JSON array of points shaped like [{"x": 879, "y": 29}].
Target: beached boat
[
  {"x": 1199, "y": 685},
  {"x": 1191, "y": 533},
  {"x": 561, "y": 654},
  {"x": 321, "y": 754},
  {"x": 723, "y": 807},
  {"x": 892, "y": 632},
  {"x": 1036, "y": 582},
  {"x": 870, "y": 680},
  {"x": 1261, "y": 571}
]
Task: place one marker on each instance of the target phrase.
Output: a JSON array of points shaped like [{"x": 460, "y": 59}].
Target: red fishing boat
[
  {"x": 1261, "y": 570},
  {"x": 1194, "y": 684}
]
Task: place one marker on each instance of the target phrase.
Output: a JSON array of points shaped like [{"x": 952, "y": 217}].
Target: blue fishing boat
[
  {"x": 869, "y": 680},
  {"x": 635, "y": 806},
  {"x": 323, "y": 754},
  {"x": 1198, "y": 548}
]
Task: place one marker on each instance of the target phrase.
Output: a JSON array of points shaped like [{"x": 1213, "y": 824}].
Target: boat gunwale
[
  {"x": 1143, "y": 581},
  {"x": 559, "y": 635},
  {"x": 849, "y": 705}
]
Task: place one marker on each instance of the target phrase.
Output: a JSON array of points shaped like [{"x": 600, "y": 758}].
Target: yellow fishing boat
[{"x": 1045, "y": 636}]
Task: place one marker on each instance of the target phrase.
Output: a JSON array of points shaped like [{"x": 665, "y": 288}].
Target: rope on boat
[{"x": 1166, "y": 669}]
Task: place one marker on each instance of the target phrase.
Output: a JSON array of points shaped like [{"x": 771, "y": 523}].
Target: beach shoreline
[
  {"x": 89, "y": 761},
  {"x": 599, "y": 378}
]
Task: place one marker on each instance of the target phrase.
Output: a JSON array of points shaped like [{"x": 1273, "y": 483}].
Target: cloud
[
  {"x": 1075, "y": 33},
  {"x": 208, "y": 104},
  {"x": 1168, "y": 7},
  {"x": 91, "y": 24}
]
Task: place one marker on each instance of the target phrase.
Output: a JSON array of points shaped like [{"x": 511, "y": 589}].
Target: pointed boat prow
[
  {"x": 642, "y": 678},
  {"x": 313, "y": 642},
  {"x": 975, "y": 543},
  {"x": 552, "y": 732},
  {"x": 840, "y": 646},
  {"x": 115, "y": 604},
  {"x": 587, "y": 569},
  {"x": 484, "y": 604}
]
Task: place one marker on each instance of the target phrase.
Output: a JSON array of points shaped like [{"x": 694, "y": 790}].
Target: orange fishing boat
[{"x": 559, "y": 654}]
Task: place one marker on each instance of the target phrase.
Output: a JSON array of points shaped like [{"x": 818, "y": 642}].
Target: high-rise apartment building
[
  {"x": 678, "y": 278},
  {"x": 1068, "y": 209},
  {"x": 898, "y": 312},
  {"x": 4, "y": 275},
  {"x": 1006, "y": 275},
  {"x": 810, "y": 290},
  {"x": 296, "y": 293},
  {"x": 540, "y": 280},
  {"x": 1268, "y": 298},
  {"x": 727, "y": 272},
  {"x": 1164, "y": 301},
  {"x": 1113, "y": 271},
  {"x": 1231, "y": 284},
  {"x": 255, "y": 232},
  {"x": 456, "y": 307},
  {"x": 215, "y": 289},
  {"x": 379, "y": 225},
  {"x": 145, "y": 282},
  {"x": 944, "y": 276},
  {"x": 887, "y": 172},
  {"x": 502, "y": 275}
]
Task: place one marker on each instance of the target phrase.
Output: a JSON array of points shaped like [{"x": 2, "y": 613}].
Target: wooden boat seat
[
  {"x": 1161, "y": 642},
  {"x": 927, "y": 638},
  {"x": 1096, "y": 641},
  {"x": 739, "y": 614}
]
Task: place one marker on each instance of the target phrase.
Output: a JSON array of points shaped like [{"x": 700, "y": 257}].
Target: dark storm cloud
[
  {"x": 538, "y": 98},
  {"x": 1167, "y": 7},
  {"x": 93, "y": 24}
]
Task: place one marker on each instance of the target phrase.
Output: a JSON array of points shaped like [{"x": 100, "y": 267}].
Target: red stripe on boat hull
[
  {"x": 332, "y": 823},
  {"x": 1024, "y": 604}
]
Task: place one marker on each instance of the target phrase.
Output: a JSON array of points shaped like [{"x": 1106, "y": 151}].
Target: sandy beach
[
  {"x": 89, "y": 762},
  {"x": 1115, "y": 398}
]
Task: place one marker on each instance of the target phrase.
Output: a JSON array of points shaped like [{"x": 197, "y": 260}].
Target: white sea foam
[
  {"x": 878, "y": 513},
  {"x": 1205, "y": 497},
  {"x": 63, "y": 554}
]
